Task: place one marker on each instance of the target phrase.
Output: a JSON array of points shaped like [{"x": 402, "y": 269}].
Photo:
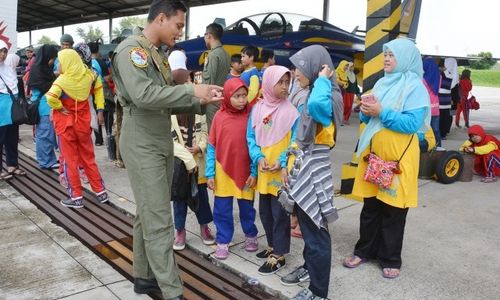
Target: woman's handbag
[
  {"x": 23, "y": 111},
  {"x": 473, "y": 104},
  {"x": 381, "y": 172}
]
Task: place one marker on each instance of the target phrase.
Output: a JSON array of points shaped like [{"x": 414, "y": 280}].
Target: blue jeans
[
  {"x": 46, "y": 142},
  {"x": 204, "y": 213},
  {"x": 223, "y": 218},
  {"x": 317, "y": 253},
  {"x": 435, "y": 129}
]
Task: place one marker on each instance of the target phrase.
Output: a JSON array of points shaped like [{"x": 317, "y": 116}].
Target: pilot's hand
[
  {"x": 208, "y": 93},
  {"x": 326, "y": 71}
]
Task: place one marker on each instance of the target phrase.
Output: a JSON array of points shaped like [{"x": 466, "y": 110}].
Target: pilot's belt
[{"x": 135, "y": 111}]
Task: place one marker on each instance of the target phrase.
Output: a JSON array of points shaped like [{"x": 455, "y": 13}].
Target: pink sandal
[
  {"x": 390, "y": 273},
  {"x": 488, "y": 179},
  {"x": 353, "y": 261},
  {"x": 296, "y": 233}
]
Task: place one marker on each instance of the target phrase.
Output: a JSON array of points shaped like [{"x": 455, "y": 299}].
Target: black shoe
[
  {"x": 272, "y": 265},
  {"x": 297, "y": 276},
  {"x": 265, "y": 253},
  {"x": 146, "y": 286}
]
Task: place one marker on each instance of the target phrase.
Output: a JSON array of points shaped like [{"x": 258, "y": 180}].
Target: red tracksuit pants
[
  {"x": 76, "y": 147},
  {"x": 348, "y": 100}
]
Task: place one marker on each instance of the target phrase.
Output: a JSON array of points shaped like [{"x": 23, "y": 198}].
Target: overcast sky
[{"x": 446, "y": 27}]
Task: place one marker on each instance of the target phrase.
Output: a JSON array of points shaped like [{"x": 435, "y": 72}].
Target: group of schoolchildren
[{"x": 246, "y": 151}]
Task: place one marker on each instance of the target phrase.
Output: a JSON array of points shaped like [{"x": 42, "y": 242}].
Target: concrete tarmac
[{"x": 450, "y": 248}]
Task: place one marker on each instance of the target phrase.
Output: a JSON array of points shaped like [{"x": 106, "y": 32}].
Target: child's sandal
[{"x": 489, "y": 179}]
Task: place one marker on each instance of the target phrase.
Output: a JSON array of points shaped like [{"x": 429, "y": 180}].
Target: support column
[
  {"x": 110, "y": 27},
  {"x": 29, "y": 33},
  {"x": 326, "y": 10},
  {"x": 382, "y": 26},
  {"x": 186, "y": 32}
]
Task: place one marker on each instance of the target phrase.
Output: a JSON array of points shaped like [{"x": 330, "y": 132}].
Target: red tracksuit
[{"x": 76, "y": 145}]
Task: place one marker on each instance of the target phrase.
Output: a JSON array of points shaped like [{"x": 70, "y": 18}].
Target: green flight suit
[
  {"x": 215, "y": 70},
  {"x": 146, "y": 92}
]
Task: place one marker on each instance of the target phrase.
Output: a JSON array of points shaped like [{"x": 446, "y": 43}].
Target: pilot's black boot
[{"x": 146, "y": 286}]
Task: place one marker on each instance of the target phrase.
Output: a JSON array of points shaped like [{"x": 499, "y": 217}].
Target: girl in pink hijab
[{"x": 270, "y": 132}]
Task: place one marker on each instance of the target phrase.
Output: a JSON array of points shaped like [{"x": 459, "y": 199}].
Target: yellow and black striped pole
[{"x": 382, "y": 25}]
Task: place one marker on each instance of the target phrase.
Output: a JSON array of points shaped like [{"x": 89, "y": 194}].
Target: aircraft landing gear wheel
[{"x": 449, "y": 167}]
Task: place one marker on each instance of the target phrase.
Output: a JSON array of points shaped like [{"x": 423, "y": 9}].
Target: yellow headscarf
[
  {"x": 341, "y": 74},
  {"x": 75, "y": 79}
]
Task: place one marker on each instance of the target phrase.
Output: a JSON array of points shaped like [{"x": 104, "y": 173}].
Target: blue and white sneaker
[{"x": 73, "y": 203}]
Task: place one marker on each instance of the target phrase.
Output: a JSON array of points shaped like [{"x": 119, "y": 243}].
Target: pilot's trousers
[{"x": 148, "y": 156}]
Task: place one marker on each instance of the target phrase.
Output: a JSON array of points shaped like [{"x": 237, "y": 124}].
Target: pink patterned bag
[{"x": 381, "y": 172}]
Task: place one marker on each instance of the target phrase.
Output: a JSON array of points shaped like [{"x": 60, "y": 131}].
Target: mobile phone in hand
[{"x": 368, "y": 98}]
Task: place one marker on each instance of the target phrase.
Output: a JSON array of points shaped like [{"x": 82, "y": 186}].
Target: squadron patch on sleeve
[{"x": 139, "y": 57}]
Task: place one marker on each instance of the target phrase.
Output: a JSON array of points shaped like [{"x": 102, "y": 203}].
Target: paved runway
[{"x": 450, "y": 249}]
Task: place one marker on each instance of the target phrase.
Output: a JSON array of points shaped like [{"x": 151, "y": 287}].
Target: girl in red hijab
[
  {"x": 486, "y": 149},
  {"x": 229, "y": 170}
]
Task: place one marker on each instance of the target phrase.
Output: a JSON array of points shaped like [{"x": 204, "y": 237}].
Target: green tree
[
  {"x": 91, "y": 35},
  {"x": 46, "y": 40},
  {"x": 484, "y": 62},
  {"x": 128, "y": 23}
]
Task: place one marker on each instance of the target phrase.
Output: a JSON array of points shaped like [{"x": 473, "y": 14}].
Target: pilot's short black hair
[
  {"x": 215, "y": 30},
  {"x": 168, "y": 7},
  {"x": 94, "y": 47},
  {"x": 236, "y": 58},
  {"x": 251, "y": 51},
  {"x": 266, "y": 54}
]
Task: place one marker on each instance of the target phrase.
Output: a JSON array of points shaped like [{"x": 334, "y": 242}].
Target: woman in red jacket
[{"x": 464, "y": 105}]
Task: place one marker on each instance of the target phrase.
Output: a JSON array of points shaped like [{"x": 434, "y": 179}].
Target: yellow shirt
[
  {"x": 389, "y": 145},
  {"x": 324, "y": 135},
  {"x": 480, "y": 150},
  {"x": 267, "y": 182},
  {"x": 225, "y": 186}
]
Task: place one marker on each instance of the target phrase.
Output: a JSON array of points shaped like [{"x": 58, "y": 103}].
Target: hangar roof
[{"x": 33, "y": 15}]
